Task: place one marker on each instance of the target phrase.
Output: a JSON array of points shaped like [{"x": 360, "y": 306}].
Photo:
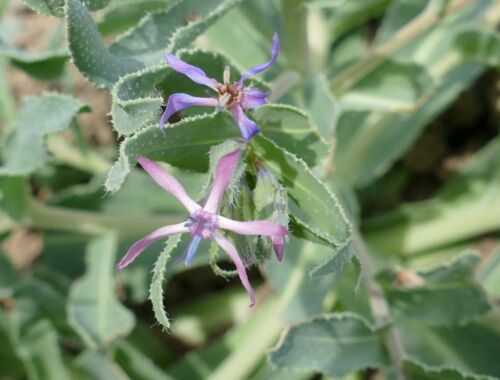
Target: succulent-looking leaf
[
  {"x": 315, "y": 210},
  {"x": 93, "y": 309},
  {"x": 58, "y": 112},
  {"x": 158, "y": 281},
  {"x": 335, "y": 345},
  {"x": 446, "y": 295},
  {"x": 56, "y": 7}
]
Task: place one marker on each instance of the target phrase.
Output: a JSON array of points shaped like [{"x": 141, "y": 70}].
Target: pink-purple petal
[
  {"x": 146, "y": 241},
  {"x": 229, "y": 248},
  {"x": 255, "y": 227},
  {"x": 223, "y": 175},
  {"x": 264, "y": 66},
  {"x": 194, "y": 73},
  {"x": 252, "y": 98},
  {"x": 279, "y": 246},
  {"x": 248, "y": 127},
  {"x": 168, "y": 183},
  {"x": 179, "y": 101}
]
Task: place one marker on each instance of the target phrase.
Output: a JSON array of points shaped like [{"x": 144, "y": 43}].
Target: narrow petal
[
  {"x": 194, "y": 73},
  {"x": 252, "y": 98},
  {"x": 256, "y": 227},
  {"x": 168, "y": 183},
  {"x": 264, "y": 66},
  {"x": 279, "y": 246},
  {"x": 227, "y": 246},
  {"x": 177, "y": 102},
  {"x": 192, "y": 248},
  {"x": 223, "y": 176},
  {"x": 146, "y": 241},
  {"x": 248, "y": 128}
]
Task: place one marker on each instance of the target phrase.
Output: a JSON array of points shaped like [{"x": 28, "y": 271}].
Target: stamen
[
  {"x": 224, "y": 99},
  {"x": 227, "y": 75}
]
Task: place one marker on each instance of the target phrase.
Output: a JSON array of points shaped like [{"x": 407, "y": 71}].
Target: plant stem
[
  {"x": 421, "y": 24},
  {"x": 379, "y": 306},
  {"x": 295, "y": 41},
  {"x": 91, "y": 223}
]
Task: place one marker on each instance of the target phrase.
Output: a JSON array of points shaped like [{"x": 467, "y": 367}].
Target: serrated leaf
[
  {"x": 335, "y": 345},
  {"x": 158, "y": 281},
  {"x": 170, "y": 30},
  {"x": 489, "y": 273},
  {"x": 423, "y": 372},
  {"x": 448, "y": 295},
  {"x": 58, "y": 112},
  {"x": 315, "y": 209},
  {"x": 481, "y": 46},
  {"x": 185, "y": 145},
  {"x": 93, "y": 309},
  {"x": 335, "y": 264},
  {"x": 56, "y": 7}
]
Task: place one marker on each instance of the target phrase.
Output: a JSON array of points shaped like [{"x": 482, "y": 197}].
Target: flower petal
[
  {"x": 223, "y": 176},
  {"x": 194, "y": 73},
  {"x": 146, "y": 241},
  {"x": 279, "y": 246},
  {"x": 248, "y": 128},
  {"x": 264, "y": 66},
  {"x": 177, "y": 102},
  {"x": 227, "y": 246},
  {"x": 256, "y": 227},
  {"x": 168, "y": 183},
  {"x": 252, "y": 98}
]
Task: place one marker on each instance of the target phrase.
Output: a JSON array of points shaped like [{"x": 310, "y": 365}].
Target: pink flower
[{"x": 204, "y": 222}]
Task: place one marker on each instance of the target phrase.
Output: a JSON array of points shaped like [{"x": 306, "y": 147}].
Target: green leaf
[
  {"x": 56, "y": 7},
  {"x": 96, "y": 364},
  {"x": 335, "y": 264},
  {"x": 392, "y": 86},
  {"x": 315, "y": 209},
  {"x": 93, "y": 309},
  {"x": 8, "y": 277},
  {"x": 136, "y": 364},
  {"x": 14, "y": 197},
  {"x": 481, "y": 46},
  {"x": 489, "y": 273},
  {"x": 39, "y": 349},
  {"x": 57, "y": 110},
  {"x": 170, "y": 30},
  {"x": 123, "y": 14},
  {"x": 335, "y": 345},
  {"x": 423, "y": 372},
  {"x": 448, "y": 295},
  {"x": 184, "y": 145},
  {"x": 157, "y": 283}
]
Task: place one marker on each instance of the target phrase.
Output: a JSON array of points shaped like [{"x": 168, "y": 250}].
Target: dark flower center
[
  {"x": 229, "y": 94},
  {"x": 202, "y": 223}
]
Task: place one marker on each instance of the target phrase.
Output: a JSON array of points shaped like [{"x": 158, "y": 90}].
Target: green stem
[
  {"x": 421, "y": 24},
  {"x": 295, "y": 41},
  {"x": 91, "y": 223}
]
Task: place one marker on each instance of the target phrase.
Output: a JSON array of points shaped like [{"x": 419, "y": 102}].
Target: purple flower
[
  {"x": 233, "y": 96},
  {"x": 204, "y": 222}
]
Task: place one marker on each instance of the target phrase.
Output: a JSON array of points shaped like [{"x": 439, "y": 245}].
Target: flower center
[
  {"x": 202, "y": 223},
  {"x": 229, "y": 94}
]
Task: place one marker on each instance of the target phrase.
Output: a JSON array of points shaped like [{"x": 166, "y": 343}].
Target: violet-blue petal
[
  {"x": 255, "y": 227},
  {"x": 252, "y": 98},
  {"x": 229, "y": 248},
  {"x": 264, "y": 66},
  {"x": 248, "y": 127},
  {"x": 139, "y": 246},
  {"x": 223, "y": 175},
  {"x": 192, "y": 248},
  {"x": 168, "y": 183},
  {"x": 194, "y": 73},
  {"x": 179, "y": 101}
]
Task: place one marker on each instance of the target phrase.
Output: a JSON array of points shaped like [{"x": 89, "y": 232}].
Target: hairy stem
[{"x": 379, "y": 306}]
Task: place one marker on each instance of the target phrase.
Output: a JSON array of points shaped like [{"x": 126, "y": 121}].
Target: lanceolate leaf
[
  {"x": 158, "y": 281},
  {"x": 315, "y": 209},
  {"x": 52, "y": 113},
  {"x": 93, "y": 309},
  {"x": 334, "y": 345}
]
